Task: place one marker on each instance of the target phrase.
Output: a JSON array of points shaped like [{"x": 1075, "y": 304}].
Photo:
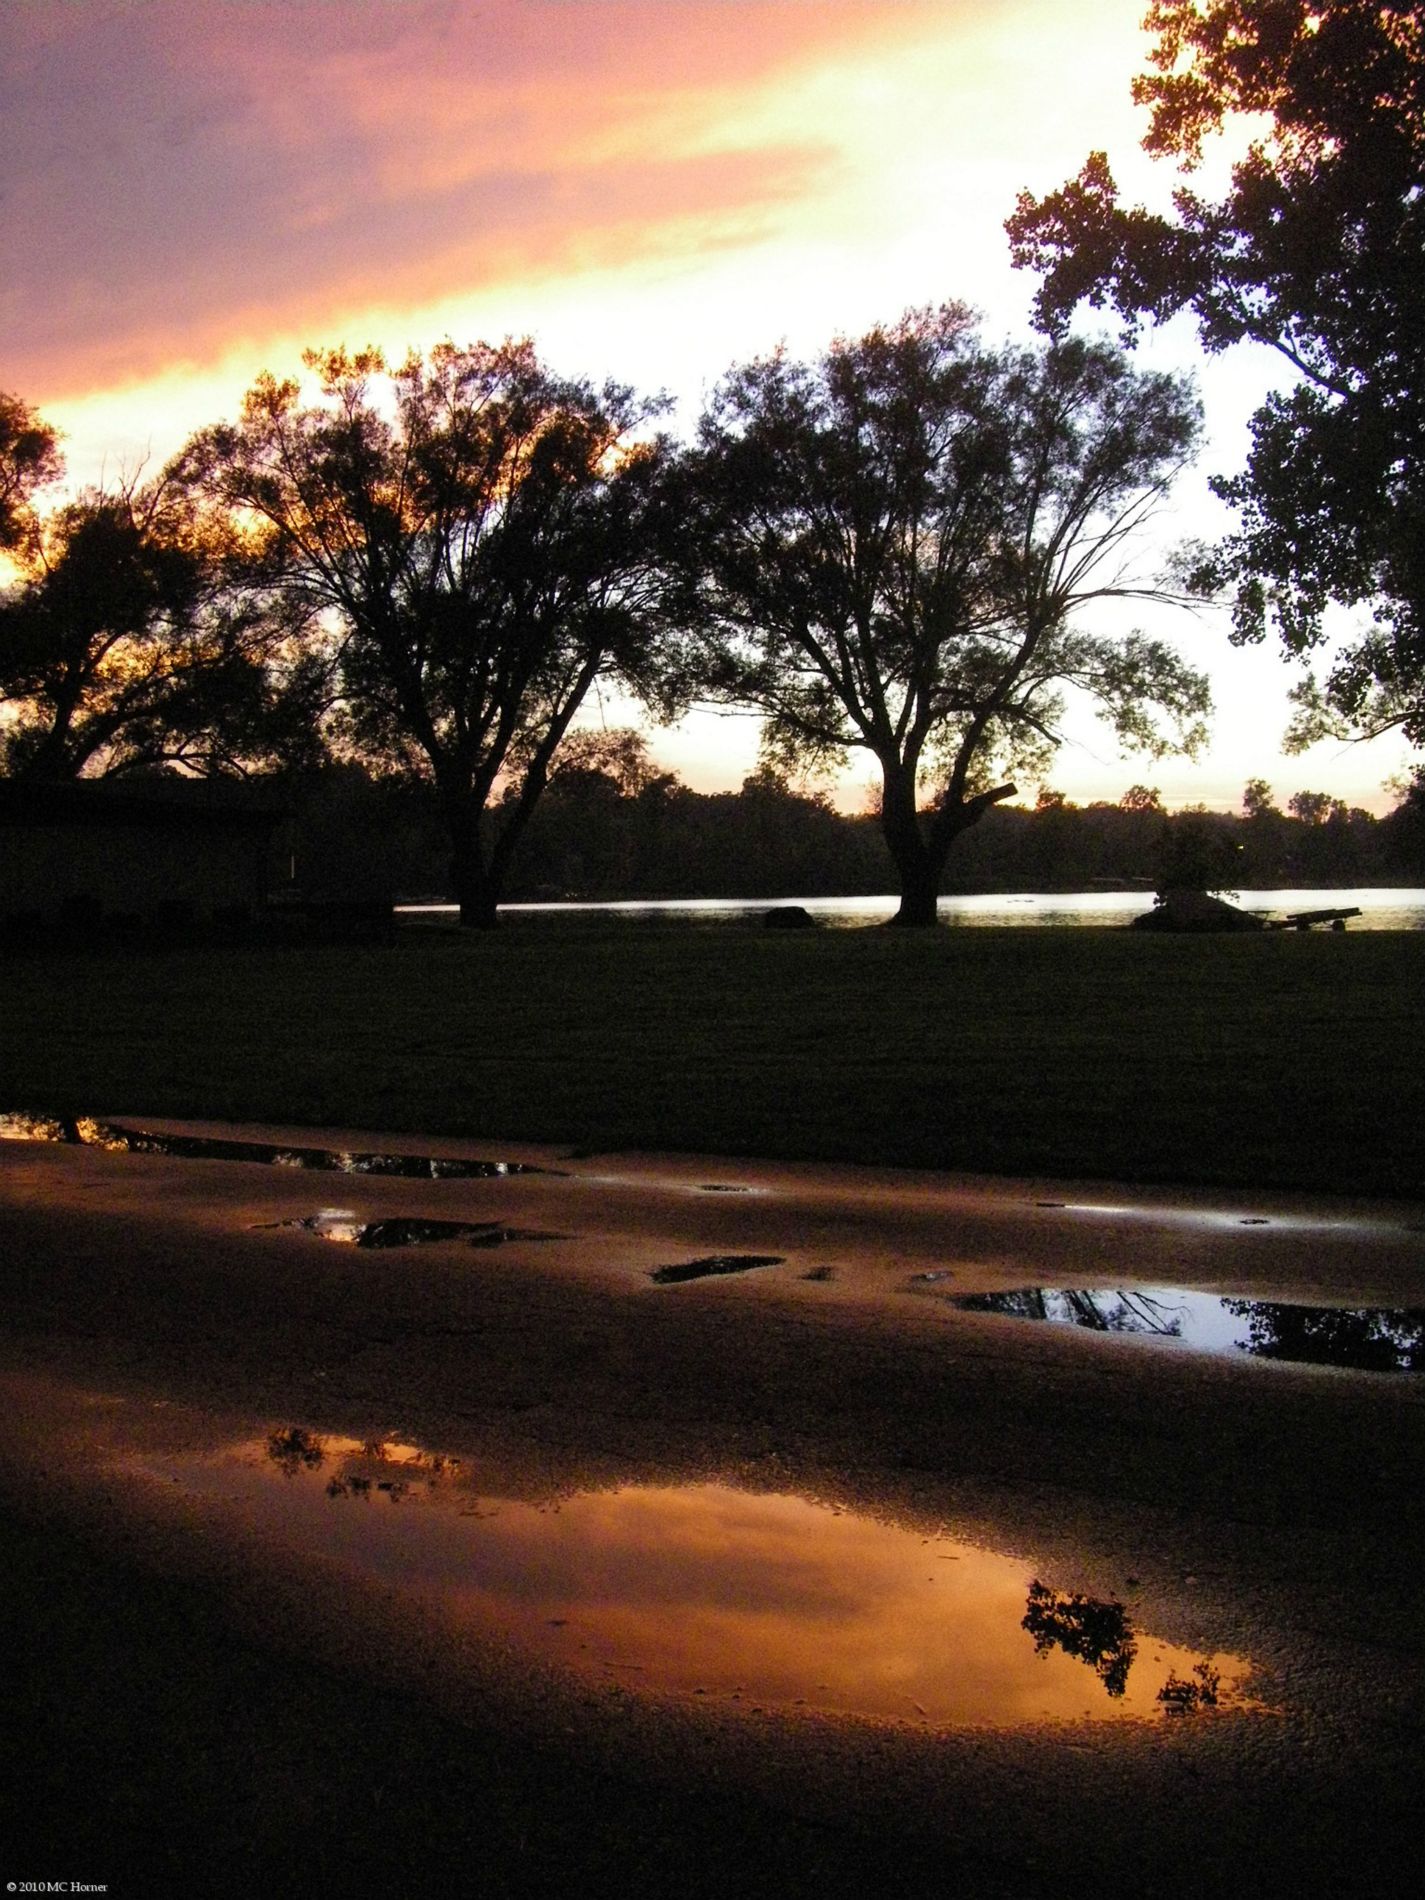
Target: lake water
[{"x": 1380, "y": 909}]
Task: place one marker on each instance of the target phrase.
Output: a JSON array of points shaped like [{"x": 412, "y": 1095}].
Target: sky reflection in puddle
[
  {"x": 762, "y": 1599},
  {"x": 1365, "y": 1339}
]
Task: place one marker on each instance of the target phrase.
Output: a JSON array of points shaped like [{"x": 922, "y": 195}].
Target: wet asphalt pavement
[{"x": 159, "y": 1306}]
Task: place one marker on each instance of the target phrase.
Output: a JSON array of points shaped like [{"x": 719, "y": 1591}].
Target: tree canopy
[
  {"x": 892, "y": 549},
  {"x": 29, "y": 459},
  {"x": 1317, "y": 248},
  {"x": 122, "y": 647},
  {"x": 471, "y": 538}
]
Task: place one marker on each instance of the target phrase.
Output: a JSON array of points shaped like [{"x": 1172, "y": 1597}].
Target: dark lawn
[{"x": 1282, "y": 1059}]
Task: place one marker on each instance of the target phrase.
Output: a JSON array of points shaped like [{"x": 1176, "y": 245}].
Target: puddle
[
  {"x": 1365, "y": 1338},
  {"x": 761, "y": 1599},
  {"x": 118, "y": 1138},
  {"x": 1220, "y": 1219},
  {"x": 344, "y": 1225},
  {"x": 714, "y": 1264}
]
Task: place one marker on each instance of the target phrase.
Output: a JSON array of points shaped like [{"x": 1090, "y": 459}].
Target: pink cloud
[{"x": 182, "y": 174}]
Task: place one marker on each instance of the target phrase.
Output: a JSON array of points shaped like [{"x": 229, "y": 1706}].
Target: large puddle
[
  {"x": 118, "y": 1138},
  {"x": 1363, "y": 1338},
  {"x": 760, "y": 1599}
]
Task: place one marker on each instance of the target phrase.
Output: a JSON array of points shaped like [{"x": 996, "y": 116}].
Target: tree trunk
[
  {"x": 919, "y": 859},
  {"x": 483, "y": 846},
  {"x": 476, "y": 892},
  {"x": 920, "y": 892},
  {"x": 478, "y": 908},
  {"x": 920, "y": 843}
]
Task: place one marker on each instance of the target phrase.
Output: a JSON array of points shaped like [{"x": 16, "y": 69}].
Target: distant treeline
[{"x": 598, "y": 834}]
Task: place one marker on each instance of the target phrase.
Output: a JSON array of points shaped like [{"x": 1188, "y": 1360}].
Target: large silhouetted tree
[
  {"x": 123, "y": 647},
  {"x": 1316, "y": 248},
  {"x": 895, "y": 547},
  {"x": 472, "y": 538}
]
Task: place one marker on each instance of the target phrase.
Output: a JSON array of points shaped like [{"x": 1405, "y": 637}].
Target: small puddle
[
  {"x": 714, "y": 1264},
  {"x": 344, "y": 1225},
  {"x": 761, "y": 1599},
  {"x": 118, "y": 1138},
  {"x": 1362, "y": 1338},
  {"x": 1221, "y": 1219}
]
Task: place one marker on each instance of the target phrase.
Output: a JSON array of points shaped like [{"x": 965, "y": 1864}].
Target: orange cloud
[{"x": 182, "y": 175}]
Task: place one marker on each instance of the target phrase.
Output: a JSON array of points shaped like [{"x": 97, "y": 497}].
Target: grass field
[{"x": 1283, "y": 1059}]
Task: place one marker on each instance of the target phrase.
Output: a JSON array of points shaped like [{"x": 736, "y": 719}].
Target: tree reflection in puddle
[
  {"x": 294, "y": 1448},
  {"x": 1366, "y": 1339},
  {"x": 1375, "y": 1339},
  {"x": 1097, "y": 1632},
  {"x": 1100, "y": 1633},
  {"x": 761, "y": 1599}
]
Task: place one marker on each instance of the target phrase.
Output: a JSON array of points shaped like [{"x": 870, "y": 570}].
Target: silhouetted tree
[
  {"x": 1404, "y": 828},
  {"x": 893, "y": 543},
  {"x": 1317, "y": 249},
  {"x": 1141, "y": 798},
  {"x": 1315, "y": 808},
  {"x": 1257, "y": 800},
  {"x": 123, "y": 648},
  {"x": 1198, "y": 853},
  {"x": 618, "y": 753},
  {"x": 477, "y": 552},
  {"x": 29, "y": 460}
]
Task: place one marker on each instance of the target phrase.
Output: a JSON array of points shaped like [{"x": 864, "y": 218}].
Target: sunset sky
[{"x": 195, "y": 190}]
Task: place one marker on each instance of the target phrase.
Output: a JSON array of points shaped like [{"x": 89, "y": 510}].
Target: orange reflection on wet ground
[{"x": 770, "y": 1599}]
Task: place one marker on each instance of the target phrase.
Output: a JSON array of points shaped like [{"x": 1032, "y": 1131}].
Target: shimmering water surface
[
  {"x": 1380, "y": 909},
  {"x": 759, "y": 1598}
]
